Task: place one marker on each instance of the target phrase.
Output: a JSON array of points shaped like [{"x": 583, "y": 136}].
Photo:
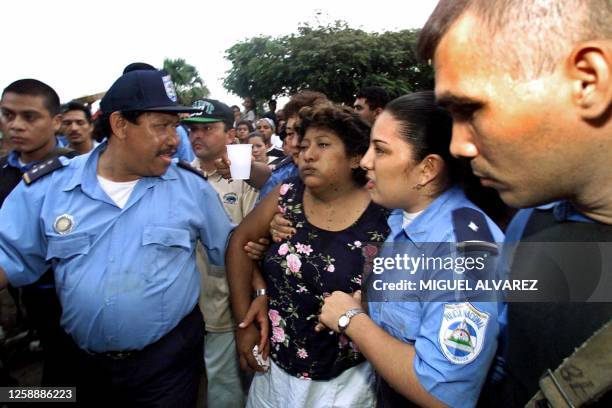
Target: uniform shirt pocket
[
  {"x": 402, "y": 320},
  {"x": 64, "y": 247},
  {"x": 165, "y": 249},
  {"x": 66, "y": 254}
]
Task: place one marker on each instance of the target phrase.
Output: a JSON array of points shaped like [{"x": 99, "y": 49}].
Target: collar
[
  {"x": 565, "y": 211},
  {"x": 198, "y": 165},
  {"x": 423, "y": 227},
  {"x": 12, "y": 159}
]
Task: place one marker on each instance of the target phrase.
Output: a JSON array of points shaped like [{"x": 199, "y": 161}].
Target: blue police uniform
[
  {"x": 125, "y": 277},
  {"x": 454, "y": 375},
  {"x": 184, "y": 151},
  {"x": 283, "y": 171},
  {"x": 549, "y": 331}
]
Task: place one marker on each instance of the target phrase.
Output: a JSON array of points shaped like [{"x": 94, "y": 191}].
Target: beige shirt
[{"x": 238, "y": 198}]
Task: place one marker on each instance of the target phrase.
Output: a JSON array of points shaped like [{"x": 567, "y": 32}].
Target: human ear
[
  {"x": 118, "y": 125},
  {"x": 589, "y": 66},
  {"x": 431, "y": 166}
]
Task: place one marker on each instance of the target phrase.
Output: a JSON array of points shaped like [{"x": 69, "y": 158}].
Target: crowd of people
[{"x": 140, "y": 263}]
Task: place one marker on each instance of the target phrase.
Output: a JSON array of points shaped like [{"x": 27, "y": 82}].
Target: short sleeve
[
  {"x": 454, "y": 350},
  {"x": 216, "y": 226},
  {"x": 22, "y": 240}
]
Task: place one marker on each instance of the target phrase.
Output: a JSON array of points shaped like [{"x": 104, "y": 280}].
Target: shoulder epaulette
[
  {"x": 186, "y": 166},
  {"x": 472, "y": 230},
  {"x": 41, "y": 170}
]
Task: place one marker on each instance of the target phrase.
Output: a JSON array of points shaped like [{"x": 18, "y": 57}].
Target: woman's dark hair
[
  {"x": 256, "y": 134},
  {"x": 102, "y": 127},
  {"x": 346, "y": 124},
  {"x": 247, "y": 123},
  {"x": 428, "y": 128}
]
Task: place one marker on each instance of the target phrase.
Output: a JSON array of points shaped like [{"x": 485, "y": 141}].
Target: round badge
[{"x": 63, "y": 224}]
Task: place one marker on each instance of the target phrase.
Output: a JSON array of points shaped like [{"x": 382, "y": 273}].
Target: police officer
[
  {"x": 119, "y": 227},
  {"x": 429, "y": 351},
  {"x": 535, "y": 122},
  {"x": 30, "y": 114}
]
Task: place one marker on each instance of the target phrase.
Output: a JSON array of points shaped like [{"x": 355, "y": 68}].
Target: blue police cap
[{"x": 142, "y": 90}]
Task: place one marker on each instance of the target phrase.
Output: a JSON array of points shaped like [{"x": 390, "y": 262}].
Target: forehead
[
  {"x": 263, "y": 123},
  {"x": 74, "y": 114},
  {"x": 360, "y": 101},
  {"x": 462, "y": 67},
  {"x": 315, "y": 132},
  {"x": 385, "y": 128},
  {"x": 18, "y": 102},
  {"x": 160, "y": 116}
]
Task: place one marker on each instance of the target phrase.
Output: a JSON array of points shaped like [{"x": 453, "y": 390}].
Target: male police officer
[
  {"x": 30, "y": 114},
  {"x": 210, "y": 130},
  {"x": 529, "y": 85},
  {"x": 119, "y": 227}
]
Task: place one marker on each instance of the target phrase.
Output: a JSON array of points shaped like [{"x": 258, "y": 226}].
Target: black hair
[
  {"x": 345, "y": 123},
  {"x": 428, "y": 129},
  {"x": 34, "y": 87},
  {"x": 375, "y": 96},
  {"x": 256, "y": 134},
  {"x": 74, "y": 105},
  {"x": 247, "y": 123}
]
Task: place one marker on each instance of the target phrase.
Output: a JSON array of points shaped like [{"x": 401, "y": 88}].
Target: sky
[{"x": 81, "y": 47}]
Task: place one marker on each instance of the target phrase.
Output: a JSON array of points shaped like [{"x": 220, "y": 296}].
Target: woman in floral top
[{"x": 334, "y": 219}]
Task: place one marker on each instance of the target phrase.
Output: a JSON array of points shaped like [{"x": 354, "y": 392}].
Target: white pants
[
  {"x": 225, "y": 380},
  {"x": 278, "y": 389}
]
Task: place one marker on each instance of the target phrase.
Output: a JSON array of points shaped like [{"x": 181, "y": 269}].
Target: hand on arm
[
  {"x": 393, "y": 359},
  {"x": 240, "y": 276}
]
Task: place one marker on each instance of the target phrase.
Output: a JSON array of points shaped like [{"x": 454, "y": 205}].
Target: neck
[
  {"x": 207, "y": 165},
  {"x": 595, "y": 201},
  {"x": 38, "y": 154},
  {"x": 112, "y": 166},
  {"x": 82, "y": 147},
  {"x": 329, "y": 194}
]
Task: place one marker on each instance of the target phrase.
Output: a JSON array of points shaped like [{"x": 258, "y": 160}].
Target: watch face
[{"x": 343, "y": 321}]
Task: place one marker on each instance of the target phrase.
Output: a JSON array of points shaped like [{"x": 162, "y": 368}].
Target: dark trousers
[
  {"x": 164, "y": 374},
  {"x": 44, "y": 312}
]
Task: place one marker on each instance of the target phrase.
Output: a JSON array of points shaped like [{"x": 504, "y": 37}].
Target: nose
[
  {"x": 173, "y": 138},
  {"x": 367, "y": 159},
  {"x": 308, "y": 154},
  {"x": 462, "y": 143},
  {"x": 16, "y": 124}
]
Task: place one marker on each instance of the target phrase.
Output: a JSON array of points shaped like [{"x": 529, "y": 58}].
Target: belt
[
  {"x": 127, "y": 354},
  {"x": 118, "y": 355}
]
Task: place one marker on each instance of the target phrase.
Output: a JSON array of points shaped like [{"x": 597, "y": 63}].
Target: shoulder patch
[
  {"x": 41, "y": 170},
  {"x": 462, "y": 332},
  {"x": 186, "y": 166},
  {"x": 472, "y": 230}
]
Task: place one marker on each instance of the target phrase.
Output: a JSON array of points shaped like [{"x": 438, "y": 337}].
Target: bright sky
[{"x": 80, "y": 47}]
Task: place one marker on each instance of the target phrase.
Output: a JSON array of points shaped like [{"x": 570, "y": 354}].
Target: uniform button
[{"x": 111, "y": 259}]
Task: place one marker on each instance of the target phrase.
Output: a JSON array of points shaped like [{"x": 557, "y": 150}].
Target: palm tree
[{"x": 187, "y": 81}]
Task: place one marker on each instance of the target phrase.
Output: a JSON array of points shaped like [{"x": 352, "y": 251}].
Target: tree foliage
[
  {"x": 187, "y": 81},
  {"x": 334, "y": 59}
]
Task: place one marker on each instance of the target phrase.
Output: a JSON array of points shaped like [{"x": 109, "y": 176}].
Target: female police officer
[{"x": 433, "y": 353}]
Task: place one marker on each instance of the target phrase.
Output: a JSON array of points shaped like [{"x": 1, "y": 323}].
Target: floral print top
[{"x": 300, "y": 272}]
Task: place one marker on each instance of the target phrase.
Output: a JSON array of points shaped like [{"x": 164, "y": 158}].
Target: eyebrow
[
  {"x": 379, "y": 141},
  {"x": 448, "y": 100}
]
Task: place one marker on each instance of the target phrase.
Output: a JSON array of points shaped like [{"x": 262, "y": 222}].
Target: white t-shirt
[
  {"x": 118, "y": 191},
  {"x": 409, "y": 217}
]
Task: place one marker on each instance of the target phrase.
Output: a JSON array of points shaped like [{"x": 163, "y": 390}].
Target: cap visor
[
  {"x": 202, "y": 120},
  {"x": 177, "y": 109}
]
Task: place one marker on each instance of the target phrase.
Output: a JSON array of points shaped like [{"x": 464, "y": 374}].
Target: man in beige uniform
[{"x": 210, "y": 130}]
